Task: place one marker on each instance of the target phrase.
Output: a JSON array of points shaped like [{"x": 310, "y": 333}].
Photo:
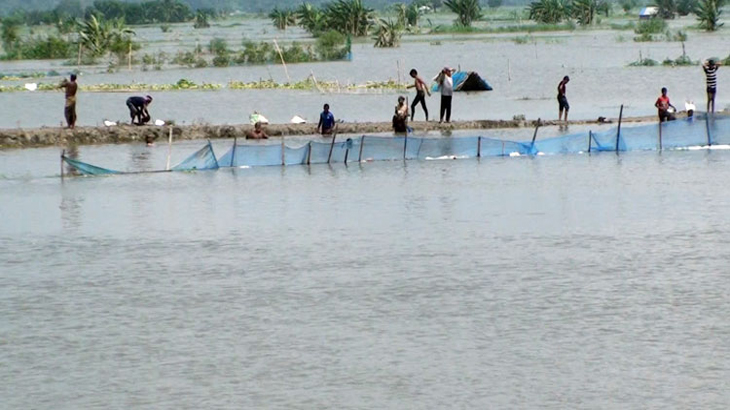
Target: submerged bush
[
  {"x": 651, "y": 26},
  {"x": 331, "y": 46}
]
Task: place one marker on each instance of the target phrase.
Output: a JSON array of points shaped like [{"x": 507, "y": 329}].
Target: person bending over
[{"x": 138, "y": 109}]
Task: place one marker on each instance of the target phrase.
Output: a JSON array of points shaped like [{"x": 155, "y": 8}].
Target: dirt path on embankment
[{"x": 41, "y": 137}]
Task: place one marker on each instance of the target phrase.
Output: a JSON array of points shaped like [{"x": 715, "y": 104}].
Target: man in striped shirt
[{"x": 710, "y": 66}]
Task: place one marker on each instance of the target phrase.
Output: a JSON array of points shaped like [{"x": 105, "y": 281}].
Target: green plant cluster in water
[
  {"x": 310, "y": 84},
  {"x": 682, "y": 60},
  {"x": 183, "y": 84}
]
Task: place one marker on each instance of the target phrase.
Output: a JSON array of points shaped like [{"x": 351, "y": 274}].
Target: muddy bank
[{"x": 39, "y": 137}]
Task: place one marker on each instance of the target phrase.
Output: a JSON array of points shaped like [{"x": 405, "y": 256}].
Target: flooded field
[{"x": 524, "y": 74}]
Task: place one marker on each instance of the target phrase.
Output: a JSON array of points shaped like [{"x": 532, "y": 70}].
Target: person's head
[
  {"x": 73, "y": 77},
  {"x": 414, "y": 73},
  {"x": 326, "y": 108},
  {"x": 711, "y": 62},
  {"x": 446, "y": 71},
  {"x": 566, "y": 79},
  {"x": 401, "y": 99},
  {"x": 148, "y": 99},
  {"x": 664, "y": 90},
  {"x": 257, "y": 126}
]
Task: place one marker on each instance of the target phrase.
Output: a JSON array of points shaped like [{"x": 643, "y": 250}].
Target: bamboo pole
[
  {"x": 332, "y": 146},
  {"x": 283, "y": 152},
  {"x": 281, "y": 55},
  {"x": 618, "y": 131},
  {"x": 479, "y": 147},
  {"x": 534, "y": 135},
  {"x": 362, "y": 144},
  {"x": 169, "y": 149},
  {"x": 660, "y": 135},
  {"x": 63, "y": 154},
  {"x": 309, "y": 152},
  {"x": 233, "y": 150},
  {"x": 590, "y": 140}
]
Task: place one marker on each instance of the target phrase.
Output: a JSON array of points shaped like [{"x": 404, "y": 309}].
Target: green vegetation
[
  {"x": 332, "y": 45},
  {"x": 549, "y": 11},
  {"x": 555, "y": 11},
  {"x": 467, "y": 11},
  {"x": 282, "y": 18},
  {"x": 667, "y": 8},
  {"x": 708, "y": 14},
  {"x": 644, "y": 62},
  {"x": 201, "y": 20},
  {"x": 388, "y": 33},
  {"x": 349, "y": 17}
]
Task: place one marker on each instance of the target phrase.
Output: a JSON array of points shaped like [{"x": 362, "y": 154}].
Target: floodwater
[
  {"x": 524, "y": 77},
  {"x": 566, "y": 281}
]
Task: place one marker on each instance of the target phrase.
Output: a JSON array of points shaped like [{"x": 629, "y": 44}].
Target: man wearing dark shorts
[
  {"x": 138, "y": 109},
  {"x": 69, "y": 110},
  {"x": 563, "y": 100},
  {"x": 710, "y": 66},
  {"x": 662, "y": 104},
  {"x": 421, "y": 91}
]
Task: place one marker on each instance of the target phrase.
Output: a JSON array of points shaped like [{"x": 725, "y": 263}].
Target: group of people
[
  {"x": 138, "y": 106},
  {"x": 666, "y": 110}
]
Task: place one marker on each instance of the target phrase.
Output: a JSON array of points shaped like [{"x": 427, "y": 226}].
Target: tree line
[{"x": 147, "y": 12}]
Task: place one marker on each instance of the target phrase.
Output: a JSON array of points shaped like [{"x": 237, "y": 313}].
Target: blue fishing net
[
  {"x": 202, "y": 159},
  {"x": 87, "y": 169}
]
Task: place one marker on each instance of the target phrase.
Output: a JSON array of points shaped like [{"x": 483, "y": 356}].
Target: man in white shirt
[{"x": 446, "y": 84}]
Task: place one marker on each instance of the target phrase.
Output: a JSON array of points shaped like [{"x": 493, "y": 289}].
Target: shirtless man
[
  {"x": 70, "y": 108},
  {"x": 563, "y": 100},
  {"x": 400, "y": 118},
  {"x": 257, "y": 133},
  {"x": 421, "y": 91}
]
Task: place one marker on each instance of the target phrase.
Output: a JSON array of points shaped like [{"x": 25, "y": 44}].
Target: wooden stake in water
[
  {"x": 309, "y": 152},
  {"x": 332, "y": 146},
  {"x": 534, "y": 135},
  {"x": 233, "y": 150},
  {"x": 660, "y": 134},
  {"x": 169, "y": 149},
  {"x": 283, "y": 152},
  {"x": 362, "y": 144},
  {"x": 63, "y": 154},
  {"x": 590, "y": 141},
  {"x": 618, "y": 131},
  {"x": 479, "y": 147}
]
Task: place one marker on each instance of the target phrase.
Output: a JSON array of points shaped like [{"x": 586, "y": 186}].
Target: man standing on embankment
[{"x": 69, "y": 110}]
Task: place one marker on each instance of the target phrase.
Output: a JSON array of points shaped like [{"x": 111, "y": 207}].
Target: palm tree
[
  {"x": 549, "y": 11},
  {"x": 388, "y": 33},
  {"x": 584, "y": 11},
  {"x": 310, "y": 18},
  {"x": 349, "y": 17},
  {"x": 667, "y": 8},
  {"x": 708, "y": 13},
  {"x": 98, "y": 36},
  {"x": 466, "y": 10},
  {"x": 282, "y": 18}
]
